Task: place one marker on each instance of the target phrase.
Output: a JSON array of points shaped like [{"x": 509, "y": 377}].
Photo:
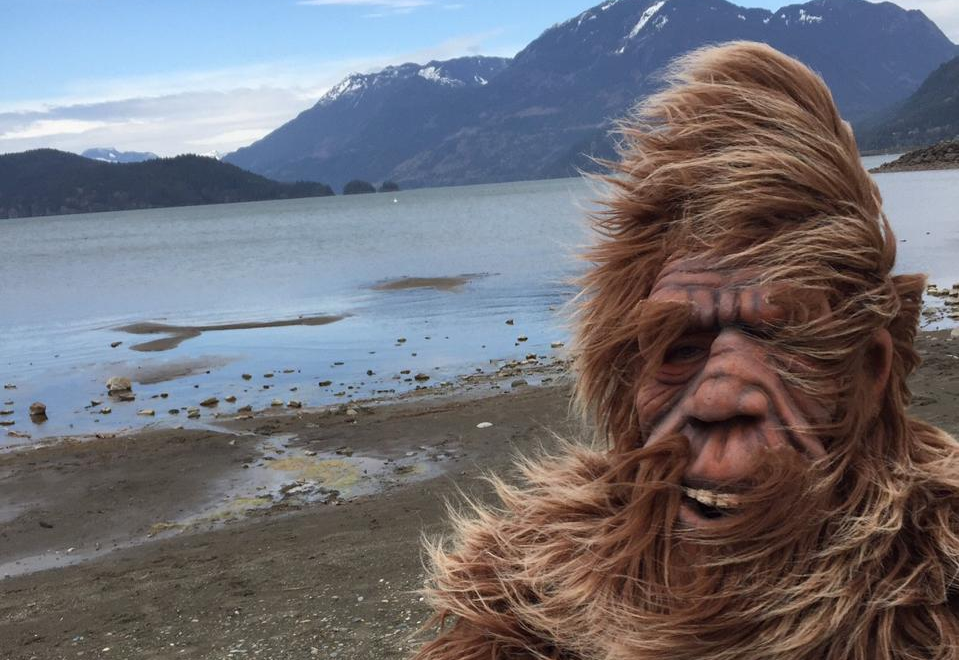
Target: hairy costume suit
[{"x": 743, "y": 350}]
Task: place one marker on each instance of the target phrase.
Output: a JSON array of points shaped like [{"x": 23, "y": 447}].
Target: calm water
[{"x": 67, "y": 283}]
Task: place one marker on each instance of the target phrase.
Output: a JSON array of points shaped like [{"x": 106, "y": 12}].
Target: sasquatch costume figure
[{"x": 759, "y": 490}]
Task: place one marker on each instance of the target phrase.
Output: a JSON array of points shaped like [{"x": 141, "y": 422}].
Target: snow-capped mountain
[
  {"x": 466, "y": 72},
  {"x": 480, "y": 119},
  {"x": 111, "y": 155},
  {"x": 363, "y": 125}
]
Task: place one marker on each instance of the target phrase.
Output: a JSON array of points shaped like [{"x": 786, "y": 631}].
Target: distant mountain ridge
[
  {"x": 370, "y": 119},
  {"x": 478, "y": 120},
  {"x": 51, "y": 182},
  {"x": 111, "y": 155},
  {"x": 928, "y": 116}
]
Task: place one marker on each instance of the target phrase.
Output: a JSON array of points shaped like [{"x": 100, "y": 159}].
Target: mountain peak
[
  {"x": 535, "y": 115},
  {"x": 459, "y": 72}
]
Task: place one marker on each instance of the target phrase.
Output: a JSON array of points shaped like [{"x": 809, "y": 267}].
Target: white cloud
[
  {"x": 396, "y": 4},
  {"x": 181, "y": 112},
  {"x": 43, "y": 128},
  {"x": 237, "y": 136},
  {"x": 387, "y": 7},
  {"x": 944, "y": 13}
]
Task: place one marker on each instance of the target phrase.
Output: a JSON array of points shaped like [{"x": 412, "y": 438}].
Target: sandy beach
[{"x": 155, "y": 546}]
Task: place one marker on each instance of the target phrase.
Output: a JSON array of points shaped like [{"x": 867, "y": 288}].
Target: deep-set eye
[{"x": 685, "y": 353}]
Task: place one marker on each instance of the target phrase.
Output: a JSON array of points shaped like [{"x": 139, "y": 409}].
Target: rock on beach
[{"x": 119, "y": 384}]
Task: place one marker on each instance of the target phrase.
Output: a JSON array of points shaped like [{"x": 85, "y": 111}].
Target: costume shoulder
[{"x": 514, "y": 581}]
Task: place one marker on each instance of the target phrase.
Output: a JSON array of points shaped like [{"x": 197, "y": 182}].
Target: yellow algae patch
[
  {"x": 160, "y": 527},
  {"x": 331, "y": 473},
  {"x": 236, "y": 508}
]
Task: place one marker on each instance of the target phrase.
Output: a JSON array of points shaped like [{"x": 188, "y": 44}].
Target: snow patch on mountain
[
  {"x": 808, "y": 18},
  {"x": 351, "y": 85},
  {"x": 644, "y": 19},
  {"x": 435, "y": 74}
]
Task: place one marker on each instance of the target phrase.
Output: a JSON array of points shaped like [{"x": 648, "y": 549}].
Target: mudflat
[
  {"x": 288, "y": 535},
  {"x": 177, "y": 334},
  {"x": 438, "y": 283}
]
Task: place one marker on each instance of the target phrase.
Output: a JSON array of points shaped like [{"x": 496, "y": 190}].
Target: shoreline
[
  {"x": 889, "y": 168},
  {"x": 282, "y": 533},
  {"x": 940, "y": 156}
]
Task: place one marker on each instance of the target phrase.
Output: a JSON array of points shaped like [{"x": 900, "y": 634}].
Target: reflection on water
[{"x": 502, "y": 253}]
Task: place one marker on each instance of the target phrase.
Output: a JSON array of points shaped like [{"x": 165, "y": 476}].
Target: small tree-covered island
[
  {"x": 50, "y": 182},
  {"x": 358, "y": 187}
]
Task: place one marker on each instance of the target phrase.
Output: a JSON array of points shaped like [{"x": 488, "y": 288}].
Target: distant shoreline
[
  {"x": 884, "y": 169},
  {"x": 941, "y": 156}
]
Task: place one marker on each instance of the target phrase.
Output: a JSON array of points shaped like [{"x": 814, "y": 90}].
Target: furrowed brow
[
  {"x": 714, "y": 307},
  {"x": 662, "y": 322}
]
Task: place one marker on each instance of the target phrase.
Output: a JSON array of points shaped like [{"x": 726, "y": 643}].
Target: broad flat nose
[
  {"x": 728, "y": 412},
  {"x": 728, "y": 387},
  {"x": 725, "y": 397}
]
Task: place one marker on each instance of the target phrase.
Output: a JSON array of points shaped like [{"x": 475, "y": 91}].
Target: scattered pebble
[
  {"x": 484, "y": 425},
  {"x": 519, "y": 382},
  {"x": 230, "y": 399},
  {"x": 210, "y": 403},
  {"x": 522, "y": 338},
  {"x": 557, "y": 344},
  {"x": 294, "y": 404},
  {"x": 509, "y": 321},
  {"x": 421, "y": 377},
  {"x": 146, "y": 413},
  {"x": 247, "y": 376},
  {"x": 115, "y": 344},
  {"x": 325, "y": 383},
  {"x": 276, "y": 403}
]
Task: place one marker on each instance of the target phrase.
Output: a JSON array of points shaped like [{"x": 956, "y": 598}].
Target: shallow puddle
[{"x": 289, "y": 476}]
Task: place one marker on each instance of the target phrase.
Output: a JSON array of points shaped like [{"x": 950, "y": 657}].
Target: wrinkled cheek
[{"x": 653, "y": 402}]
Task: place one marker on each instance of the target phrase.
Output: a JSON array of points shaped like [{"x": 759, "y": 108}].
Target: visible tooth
[{"x": 710, "y": 498}]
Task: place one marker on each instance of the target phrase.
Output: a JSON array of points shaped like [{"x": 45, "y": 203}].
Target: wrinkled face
[{"x": 719, "y": 386}]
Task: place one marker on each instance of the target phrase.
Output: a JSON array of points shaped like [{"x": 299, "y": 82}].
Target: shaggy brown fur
[{"x": 744, "y": 160}]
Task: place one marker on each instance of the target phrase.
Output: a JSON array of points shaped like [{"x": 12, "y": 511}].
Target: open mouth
[{"x": 710, "y": 504}]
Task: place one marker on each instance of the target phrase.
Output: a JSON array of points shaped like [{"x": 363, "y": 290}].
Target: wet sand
[
  {"x": 177, "y": 334},
  {"x": 309, "y": 571}
]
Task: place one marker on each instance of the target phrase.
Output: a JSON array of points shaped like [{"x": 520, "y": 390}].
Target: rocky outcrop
[{"x": 942, "y": 156}]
